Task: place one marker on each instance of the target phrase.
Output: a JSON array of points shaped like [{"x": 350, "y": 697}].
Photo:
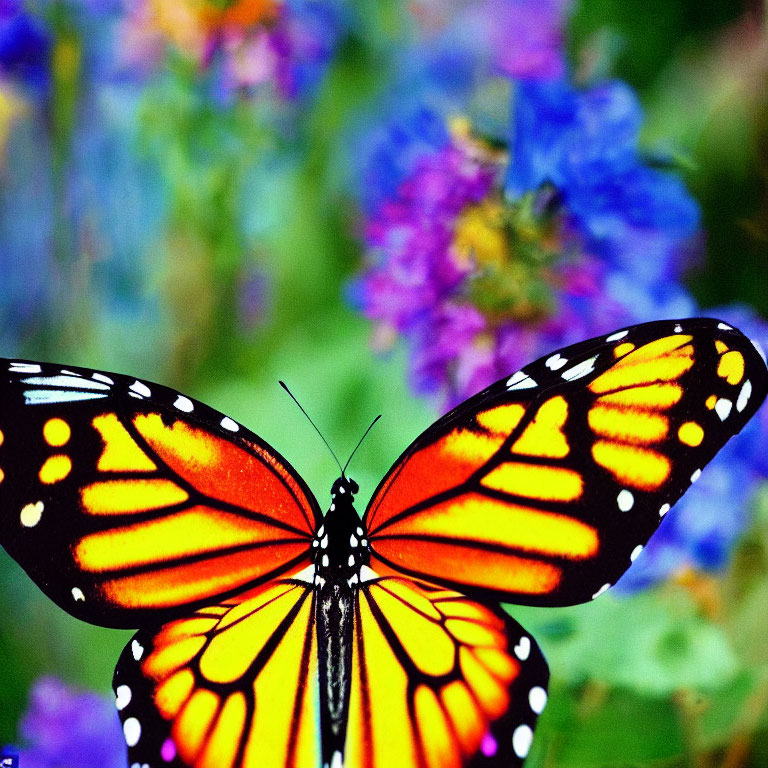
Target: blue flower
[
  {"x": 25, "y": 48},
  {"x": 585, "y": 143}
]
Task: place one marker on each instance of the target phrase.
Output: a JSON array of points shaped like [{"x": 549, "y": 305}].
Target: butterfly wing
[
  {"x": 231, "y": 685},
  {"x": 126, "y": 501},
  {"x": 439, "y": 681},
  {"x": 544, "y": 487}
]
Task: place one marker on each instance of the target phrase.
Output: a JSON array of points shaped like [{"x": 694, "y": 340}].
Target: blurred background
[{"x": 389, "y": 205}]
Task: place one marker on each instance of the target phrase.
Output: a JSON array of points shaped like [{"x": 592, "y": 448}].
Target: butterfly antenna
[
  {"x": 359, "y": 442},
  {"x": 283, "y": 385}
]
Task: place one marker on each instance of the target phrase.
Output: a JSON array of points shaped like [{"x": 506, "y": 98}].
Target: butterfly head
[{"x": 344, "y": 486}]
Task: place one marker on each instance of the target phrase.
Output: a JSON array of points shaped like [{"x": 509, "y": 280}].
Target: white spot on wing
[
  {"x": 625, "y": 500},
  {"x": 103, "y": 377},
  {"x": 555, "y": 362},
  {"x": 367, "y": 574},
  {"x": 678, "y": 328},
  {"x": 664, "y": 509},
  {"x": 140, "y": 388},
  {"x": 306, "y": 574},
  {"x": 616, "y": 336},
  {"x": 75, "y": 382},
  {"x": 523, "y": 648},
  {"x": 744, "y": 395},
  {"x": 41, "y": 396},
  {"x": 635, "y": 553},
  {"x": 353, "y": 540},
  {"x": 351, "y": 561},
  {"x": 25, "y": 368},
  {"x": 724, "y": 327},
  {"x": 336, "y": 760},
  {"x": 723, "y": 408},
  {"x": 229, "y": 424},
  {"x": 582, "y": 369},
  {"x": 522, "y": 738},
  {"x": 78, "y": 595},
  {"x": 537, "y": 698},
  {"x": 600, "y": 591},
  {"x": 520, "y": 380},
  {"x": 326, "y": 561},
  {"x": 122, "y": 696},
  {"x": 137, "y": 649},
  {"x": 184, "y": 404},
  {"x": 31, "y": 513},
  {"x": 132, "y": 731},
  {"x": 696, "y": 475}
]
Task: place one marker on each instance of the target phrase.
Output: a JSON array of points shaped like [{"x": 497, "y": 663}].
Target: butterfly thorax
[
  {"x": 340, "y": 549},
  {"x": 340, "y": 546}
]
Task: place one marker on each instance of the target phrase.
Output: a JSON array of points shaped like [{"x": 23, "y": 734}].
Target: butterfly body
[
  {"x": 340, "y": 550},
  {"x": 273, "y": 636}
]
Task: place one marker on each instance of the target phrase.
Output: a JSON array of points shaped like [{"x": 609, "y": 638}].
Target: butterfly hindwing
[
  {"x": 439, "y": 681},
  {"x": 232, "y": 685},
  {"x": 126, "y": 501},
  {"x": 544, "y": 487}
]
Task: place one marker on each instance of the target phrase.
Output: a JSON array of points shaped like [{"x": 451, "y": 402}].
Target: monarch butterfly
[{"x": 273, "y": 635}]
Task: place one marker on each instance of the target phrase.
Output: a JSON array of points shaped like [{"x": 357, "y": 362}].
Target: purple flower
[
  {"x": 527, "y": 37},
  {"x": 517, "y": 38},
  {"x": 63, "y": 726}
]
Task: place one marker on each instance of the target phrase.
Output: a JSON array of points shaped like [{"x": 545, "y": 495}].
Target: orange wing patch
[
  {"x": 237, "y": 682},
  {"x": 185, "y": 515},
  {"x": 496, "y": 533},
  {"x": 224, "y": 471},
  {"x": 431, "y": 670}
]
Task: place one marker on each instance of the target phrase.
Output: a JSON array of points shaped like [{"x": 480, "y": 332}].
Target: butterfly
[{"x": 273, "y": 635}]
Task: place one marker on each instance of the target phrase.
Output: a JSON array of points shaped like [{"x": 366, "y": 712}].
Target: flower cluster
[
  {"x": 487, "y": 250},
  {"x": 250, "y": 44},
  {"x": 63, "y": 727},
  {"x": 488, "y": 258}
]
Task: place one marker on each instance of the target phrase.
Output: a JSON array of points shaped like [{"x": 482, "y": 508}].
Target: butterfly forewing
[
  {"x": 126, "y": 501},
  {"x": 543, "y": 488}
]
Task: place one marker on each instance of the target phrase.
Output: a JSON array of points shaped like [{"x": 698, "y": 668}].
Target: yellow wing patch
[
  {"x": 544, "y": 436},
  {"x": 120, "y": 453},
  {"x": 731, "y": 367},
  {"x": 56, "y": 432},
  {"x": 536, "y": 482},
  {"x": 664, "y": 359},
  {"x": 631, "y": 466},
  {"x": 55, "y": 468}
]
